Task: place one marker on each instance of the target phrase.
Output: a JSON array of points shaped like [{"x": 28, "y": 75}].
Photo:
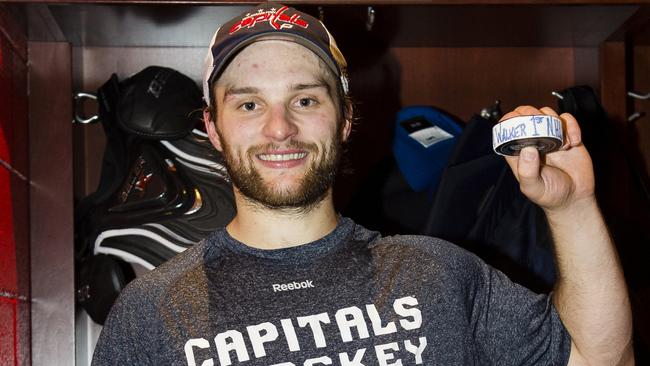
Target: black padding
[
  {"x": 163, "y": 186},
  {"x": 100, "y": 280},
  {"x": 159, "y": 103}
]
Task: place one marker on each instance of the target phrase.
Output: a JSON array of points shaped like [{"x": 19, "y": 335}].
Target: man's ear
[
  {"x": 347, "y": 123},
  {"x": 211, "y": 128}
]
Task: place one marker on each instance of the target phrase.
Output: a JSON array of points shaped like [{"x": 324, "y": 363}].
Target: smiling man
[
  {"x": 290, "y": 282},
  {"x": 280, "y": 127}
]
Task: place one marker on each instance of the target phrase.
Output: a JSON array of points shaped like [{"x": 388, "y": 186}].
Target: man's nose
[{"x": 279, "y": 125}]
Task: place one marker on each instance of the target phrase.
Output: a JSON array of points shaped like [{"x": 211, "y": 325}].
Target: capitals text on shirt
[{"x": 233, "y": 341}]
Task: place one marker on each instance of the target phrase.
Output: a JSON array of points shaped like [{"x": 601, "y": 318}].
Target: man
[{"x": 289, "y": 282}]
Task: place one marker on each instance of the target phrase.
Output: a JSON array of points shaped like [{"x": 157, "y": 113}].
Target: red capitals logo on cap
[{"x": 277, "y": 20}]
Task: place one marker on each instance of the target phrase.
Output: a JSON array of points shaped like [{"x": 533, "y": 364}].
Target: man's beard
[{"x": 310, "y": 190}]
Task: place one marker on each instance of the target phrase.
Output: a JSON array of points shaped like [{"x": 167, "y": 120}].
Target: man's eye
[
  {"x": 248, "y": 106},
  {"x": 306, "y": 102}
]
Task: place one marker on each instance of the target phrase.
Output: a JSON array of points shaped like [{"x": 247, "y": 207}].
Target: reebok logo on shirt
[{"x": 292, "y": 286}]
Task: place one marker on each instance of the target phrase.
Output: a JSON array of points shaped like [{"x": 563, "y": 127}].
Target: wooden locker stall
[{"x": 459, "y": 56}]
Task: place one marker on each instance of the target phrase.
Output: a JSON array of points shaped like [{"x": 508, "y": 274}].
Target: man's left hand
[{"x": 557, "y": 180}]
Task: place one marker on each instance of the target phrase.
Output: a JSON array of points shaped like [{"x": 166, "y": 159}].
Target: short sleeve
[
  {"x": 123, "y": 339},
  {"x": 513, "y": 325}
]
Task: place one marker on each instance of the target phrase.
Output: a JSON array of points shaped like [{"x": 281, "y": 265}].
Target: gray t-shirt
[{"x": 351, "y": 298}]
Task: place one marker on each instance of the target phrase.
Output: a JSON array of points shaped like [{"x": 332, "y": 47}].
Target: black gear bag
[{"x": 163, "y": 187}]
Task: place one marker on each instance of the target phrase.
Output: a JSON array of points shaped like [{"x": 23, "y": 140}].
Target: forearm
[{"x": 591, "y": 295}]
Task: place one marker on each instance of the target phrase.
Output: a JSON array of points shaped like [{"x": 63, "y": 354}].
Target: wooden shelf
[
  {"x": 353, "y": 2},
  {"x": 404, "y": 26}
]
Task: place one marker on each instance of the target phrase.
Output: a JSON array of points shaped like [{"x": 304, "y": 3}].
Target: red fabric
[
  {"x": 7, "y": 243},
  {"x": 5, "y": 98},
  {"x": 8, "y": 276},
  {"x": 8, "y": 332}
]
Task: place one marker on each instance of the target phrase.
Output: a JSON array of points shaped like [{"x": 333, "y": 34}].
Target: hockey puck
[{"x": 511, "y": 135}]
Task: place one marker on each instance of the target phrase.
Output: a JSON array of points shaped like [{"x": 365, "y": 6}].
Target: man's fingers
[
  {"x": 527, "y": 110},
  {"x": 526, "y": 168},
  {"x": 509, "y": 115},
  {"x": 549, "y": 111},
  {"x": 528, "y": 172},
  {"x": 572, "y": 129},
  {"x": 572, "y": 133},
  {"x": 524, "y": 110}
]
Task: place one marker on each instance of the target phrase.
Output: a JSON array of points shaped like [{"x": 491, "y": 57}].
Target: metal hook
[
  {"x": 638, "y": 96},
  {"x": 492, "y": 112},
  {"x": 78, "y": 100},
  {"x": 370, "y": 21},
  {"x": 558, "y": 95},
  {"x": 635, "y": 116}
]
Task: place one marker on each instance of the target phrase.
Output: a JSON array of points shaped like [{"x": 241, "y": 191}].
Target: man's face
[{"x": 278, "y": 126}]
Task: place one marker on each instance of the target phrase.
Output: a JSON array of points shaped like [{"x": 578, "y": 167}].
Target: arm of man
[
  {"x": 126, "y": 336},
  {"x": 590, "y": 295}
]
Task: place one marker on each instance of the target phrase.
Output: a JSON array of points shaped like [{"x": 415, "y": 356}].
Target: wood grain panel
[
  {"x": 51, "y": 205},
  {"x": 640, "y": 128},
  {"x": 402, "y": 26},
  {"x": 13, "y": 27},
  {"x": 20, "y": 192},
  {"x": 464, "y": 80},
  {"x": 614, "y": 84}
]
